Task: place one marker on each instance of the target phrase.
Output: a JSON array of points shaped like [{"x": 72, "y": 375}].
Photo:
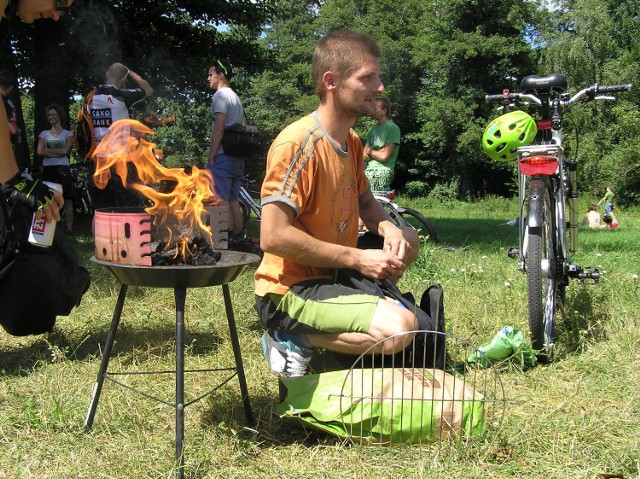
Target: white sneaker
[{"x": 285, "y": 358}]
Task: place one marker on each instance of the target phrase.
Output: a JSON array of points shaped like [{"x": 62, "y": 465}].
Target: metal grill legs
[{"x": 180, "y": 299}]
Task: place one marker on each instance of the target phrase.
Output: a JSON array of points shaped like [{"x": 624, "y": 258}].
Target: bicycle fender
[{"x": 536, "y": 192}]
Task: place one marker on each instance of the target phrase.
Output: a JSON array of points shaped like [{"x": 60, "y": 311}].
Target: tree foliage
[
  {"x": 597, "y": 41},
  {"x": 169, "y": 42},
  {"x": 440, "y": 57}
]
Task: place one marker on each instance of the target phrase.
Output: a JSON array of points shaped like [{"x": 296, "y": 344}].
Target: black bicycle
[{"x": 547, "y": 189}]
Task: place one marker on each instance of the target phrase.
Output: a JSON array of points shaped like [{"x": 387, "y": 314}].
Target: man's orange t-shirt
[{"x": 308, "y": 171}]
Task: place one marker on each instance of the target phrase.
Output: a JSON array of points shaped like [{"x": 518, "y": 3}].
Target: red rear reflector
[
  {"x": 391, "y": 195},
  {"x": 538, "y": 165},
  {"x": 544, "y": 124}
]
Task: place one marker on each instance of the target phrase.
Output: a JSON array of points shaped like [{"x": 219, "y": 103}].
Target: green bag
[
  {"x": 508, "y": 343},
  {"x": 386, "y": 406}
]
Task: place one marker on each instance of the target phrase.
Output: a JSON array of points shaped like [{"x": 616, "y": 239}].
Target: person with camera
[
  {"x": 53, "y": 272},
  {"x": 32, "y": 193}
]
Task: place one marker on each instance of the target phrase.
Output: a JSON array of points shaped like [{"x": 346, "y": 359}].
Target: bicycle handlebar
[
  {"x": 614, "y": 88},
  {"x": 512, "y": 96},
  {"x": 596, "y": 89},
  {"x": 589, "y": 92}
]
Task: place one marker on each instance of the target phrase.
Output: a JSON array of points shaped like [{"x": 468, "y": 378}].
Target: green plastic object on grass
[
  {"x": 386, "y": 406},
  {"x": 508, "y": 343}
]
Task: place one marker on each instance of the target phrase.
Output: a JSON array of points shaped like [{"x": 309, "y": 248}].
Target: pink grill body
[{"x": 122, "y": 237}]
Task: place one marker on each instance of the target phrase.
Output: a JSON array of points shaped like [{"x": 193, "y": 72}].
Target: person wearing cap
[
  {"x": 111, "y": 102},
  {"x": 227, "y": 170}
]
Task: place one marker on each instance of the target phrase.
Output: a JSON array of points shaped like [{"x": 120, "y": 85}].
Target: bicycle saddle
[{"x": 543, "y": 85}]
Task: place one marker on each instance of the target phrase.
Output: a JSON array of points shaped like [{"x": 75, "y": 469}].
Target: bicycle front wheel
[
  {"x": 541, "y": 270},
  {"x": 419, "y": 223}
]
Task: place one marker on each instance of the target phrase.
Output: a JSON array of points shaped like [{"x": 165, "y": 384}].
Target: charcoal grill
[{"x": 179, "y": 277}]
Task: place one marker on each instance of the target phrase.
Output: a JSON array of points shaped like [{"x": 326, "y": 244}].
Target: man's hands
[
  {"x": 391, "y": 261},
  {"x": 37, "y": 196},
  {"x": 380, "y": 264}
]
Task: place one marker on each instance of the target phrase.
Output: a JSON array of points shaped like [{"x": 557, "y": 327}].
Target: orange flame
[{"x": 125, "y": 145}]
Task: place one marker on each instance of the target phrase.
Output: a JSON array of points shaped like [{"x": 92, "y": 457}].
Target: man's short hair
[
  {"x": 117, "y": 72},
  {"x": 384, "y": 103},
  {"x": 343, "y": 52},
  {"x": 223, "y": 67}
]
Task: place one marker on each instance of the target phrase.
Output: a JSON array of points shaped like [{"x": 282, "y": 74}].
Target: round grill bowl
[{"x": 231, "y": 264}]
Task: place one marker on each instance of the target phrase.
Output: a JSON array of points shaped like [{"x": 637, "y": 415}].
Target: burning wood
[
  {"x": 199, "y": 253},
  {"x": 180, "y": 211}
]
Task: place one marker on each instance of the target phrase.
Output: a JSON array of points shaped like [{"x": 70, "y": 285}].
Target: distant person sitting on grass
[
  {"x": 610, "y": 222},
  {"x": 592, "y": 217}
]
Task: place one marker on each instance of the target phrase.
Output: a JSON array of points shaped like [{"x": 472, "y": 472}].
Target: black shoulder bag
[{"x": 243, "y": 140}]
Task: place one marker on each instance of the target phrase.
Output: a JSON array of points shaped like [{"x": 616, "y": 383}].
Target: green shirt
[
  {"x": 378, "y": 137},
  {"x": 608, "y": 198}
]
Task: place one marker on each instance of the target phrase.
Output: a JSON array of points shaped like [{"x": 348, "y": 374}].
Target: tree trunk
[{"x": 53, "y": 75}]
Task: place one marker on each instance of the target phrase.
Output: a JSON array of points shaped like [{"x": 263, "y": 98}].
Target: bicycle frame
[
  {"x": 249, "y": 202},
  {"x": 546, "y": 161}
]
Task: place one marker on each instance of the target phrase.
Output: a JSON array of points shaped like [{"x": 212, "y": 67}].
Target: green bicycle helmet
[{"x": 506, "y": 133}]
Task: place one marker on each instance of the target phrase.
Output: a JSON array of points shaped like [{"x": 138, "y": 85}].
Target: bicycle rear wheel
[
  {"x": 542, "y": 284},
  {"x": 419, "y": 223}
]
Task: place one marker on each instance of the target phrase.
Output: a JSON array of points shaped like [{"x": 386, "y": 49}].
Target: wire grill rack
[{"x": 456, "y": 409}]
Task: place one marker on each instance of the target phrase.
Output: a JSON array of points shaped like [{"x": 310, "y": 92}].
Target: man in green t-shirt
[{"x": 381, "y": 149}]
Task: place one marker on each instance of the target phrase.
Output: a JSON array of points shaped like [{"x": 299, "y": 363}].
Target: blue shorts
[
  {"x": 608, "y": 208},
  {"x": 227, "y": 174}
]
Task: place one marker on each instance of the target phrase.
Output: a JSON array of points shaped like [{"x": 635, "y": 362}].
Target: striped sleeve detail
[{"x": 300, "y": 160}]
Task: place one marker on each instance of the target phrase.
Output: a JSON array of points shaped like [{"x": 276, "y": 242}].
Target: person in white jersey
[{"x": 110, "y": 103}]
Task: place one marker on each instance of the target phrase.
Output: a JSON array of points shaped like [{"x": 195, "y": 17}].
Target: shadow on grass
[
  {"x": 460, "y": 232},
  {"x": 491, "y": 233},
  {"x": 269, "y": 430},
  {"x": 583, "y": 319},
  {"x": 49, "y": 348}
]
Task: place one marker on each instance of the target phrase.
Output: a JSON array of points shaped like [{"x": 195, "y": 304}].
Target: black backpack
[
  {"x": 429, "y": 350},
  {"x": 36, "y": 284},
  {"x": 83, "y": 139}
]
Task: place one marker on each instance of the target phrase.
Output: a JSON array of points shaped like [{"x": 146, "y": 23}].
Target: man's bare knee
[
  {"x": 389, "y": 325},
  {"x": 395, "y": 344}
]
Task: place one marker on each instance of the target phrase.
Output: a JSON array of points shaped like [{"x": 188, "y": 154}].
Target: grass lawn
[{"x": 575, "y": 418}]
